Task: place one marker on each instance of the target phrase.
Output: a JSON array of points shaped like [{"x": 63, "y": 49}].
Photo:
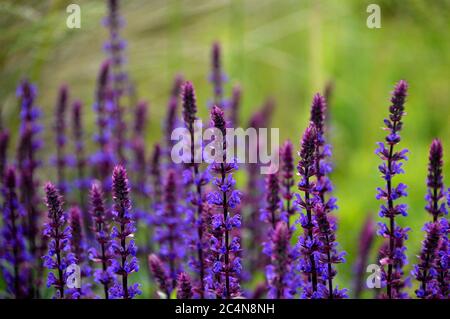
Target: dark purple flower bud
[
  {"x": 59, "y": 256},
  {"x": 436, "y": 191},
  {"x": 155, "y": 172},
  {"x": 184, "y": 287},
  {"x": 287, "y": 178},
  {"x": 189, "y": 105},
  {"x": 318, "y": 112},
  {"x": 171, "y": 120},
  {"x": 13, "y": 256},
  {"x": 218, "y": 119},
  {"x": 365, "y": 242},
  {"x": 217, "y": 76},
  {"x": 394, "y": 257},
  {"x": 125, "y": 261},
  {"x": 270, "y": 213},
  {"x": 139, "y": 152},
  {"x": 160, "y": 275}
]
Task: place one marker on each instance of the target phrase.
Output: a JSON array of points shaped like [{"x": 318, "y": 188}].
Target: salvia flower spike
[
  {"x": 308, "y": 245},
  {"x": 436, "y": 193},
  {"x": 365, "y": 243},
  {"x": 102, "y": 253},
  {"x": 287, "y": 180},
  {"x": 394, "y": 258},
  {"x": 125, "y": 262},
  {"x": 184, "y": 286},
  {"x": 60, "y": 135},
  {"x": 197, "y": 180},
  {"x": 14, "y": 256},
  {"x": 59, "y": 256},
  {"x": 159, "y": 273},
  {"x": 226, "y": 199}
]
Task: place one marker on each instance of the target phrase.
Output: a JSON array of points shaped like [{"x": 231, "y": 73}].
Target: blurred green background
[{"x": 286, "y": 49}]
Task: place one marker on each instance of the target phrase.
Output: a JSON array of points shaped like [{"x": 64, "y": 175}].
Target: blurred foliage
[{"x": 284, "y": 49}]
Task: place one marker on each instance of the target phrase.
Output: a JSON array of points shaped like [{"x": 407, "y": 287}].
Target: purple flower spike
[
  {"x": 279, "y": 273},
  {"x": 101, "y": 254},
  {"x": 436, "y": 191},
  {"x": 394, "y": 257},
  {"x": 425, "y": 271},
  {"x": 59, "y": 256},
  {"x": 60, "y": 134},
  {"x": 235, "y": 105},
  {"x": 159, "y": 273},
  {"x": 308, "y": 245},
  {"x": 287, "y": 180},
  {"x": 171, "y": 120},
  {"x": 103, "y": 159},
  {"x": 13, "y": 258},
  {"x": 125, "y": 262},
  {"x": 155, "y": 172},
  {"x": 27, "y": 163},
  {"x": 170, "y": 230},
  {"x": 227, "y": 264},
  {"x": 195, "y": 180},
  {"x": 271, "y": 214},
  {"x": 79, "y": 249},
  {"x": 184, "y": 287}
]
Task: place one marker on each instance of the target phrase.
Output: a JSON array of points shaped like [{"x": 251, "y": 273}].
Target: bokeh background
[{"x": 285, "y": 49}]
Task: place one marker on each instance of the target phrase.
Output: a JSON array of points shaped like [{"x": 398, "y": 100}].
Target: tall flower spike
[
  {"x": 155, "y": 172},
  {"x": 425, "y": 271},
  {"x": 79, "y": 249},
  {"x": 125, "y": 262},
  {"x": 170, "y": 230},
  {"x": 59, "y": 256},
  {"x": 184, "y": 287},
  {"x": 326, "y": 230},
  {"x": 436, "y": 193},
  {"x": 365, "y": 242},
  {"x": 225, "y": 198},
  {"x": 395, "y": 256},
  {"x": 29, "y": 145},
  {"x": 235, "y": 105},
  {"x": 102, "y": 253},
  {"x": 271, "y": 213},
  {"x": 60, "y": 135},
  {"x": 115, "y": 48},
  {"x": 195, "y": 180},
  {"x": 287, "y": 179},
  {"x": 14, "y": 258},
  {"x": 307, "y": 244},
  {"x": 103, "y": 159}
]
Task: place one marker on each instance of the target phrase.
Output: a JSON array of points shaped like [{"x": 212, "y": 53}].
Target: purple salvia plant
[
  {"x": 125, "y": 262},
  {"x": 365, "y": 242},
  {"x": 138, "y": 147},
  {"x": 79, "y": 249},
  {"x": 170, "y": 230},
  {"x": 196, "y": 180},
  {"x": 436, "y": 232},
  {"x": 184, "y": 286},
  {"x": 81, "y": 181},
  {"x": 60, "y": 160},
  {"x": 14, "y": 257},
  {"x": 308, "y": 245},
  {"x": 103, "y": 159},
  {"x": 225, "y": 198},
  {"x": 271, "y": 213},
  {"x": 115, "y": 48},
  {"x": 442, "y": 260},
  {"x": 28, "y": 147},
  {"x": 394, "y": 258},
  {"x": 158, "y": 271},
  {"x": 101, "y": 254},
  {"x": 155, "y": 174},
  {"x": 326, "y": 226},
  {"x": 59, "y": 255}
]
